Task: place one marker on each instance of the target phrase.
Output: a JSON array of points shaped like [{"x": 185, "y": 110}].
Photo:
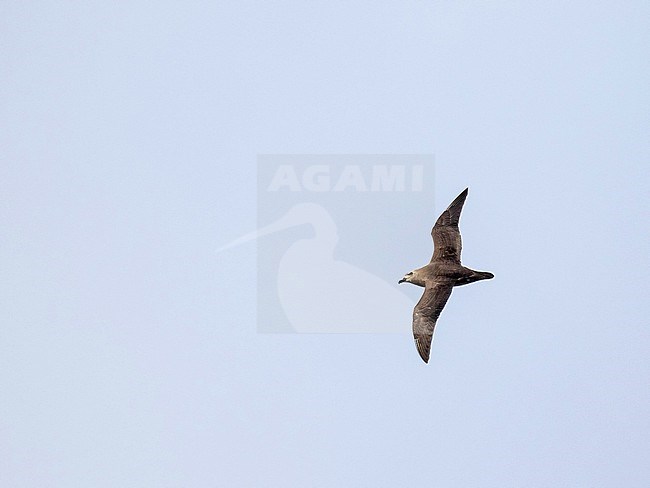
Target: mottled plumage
[{"x": 439, "y": 277}]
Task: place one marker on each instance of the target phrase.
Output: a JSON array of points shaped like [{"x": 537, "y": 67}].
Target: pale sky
[{"x": 129, "y": 349}]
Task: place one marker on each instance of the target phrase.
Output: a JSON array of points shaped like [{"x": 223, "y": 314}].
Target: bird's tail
[
  {"x": 474, "y": 276},
  {"x": 483, "y": 275}
]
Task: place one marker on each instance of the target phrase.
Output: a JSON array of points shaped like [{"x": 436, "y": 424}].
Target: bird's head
[
  {"x": 415, "y": 277},
  {"x": 407, "y": 278}
]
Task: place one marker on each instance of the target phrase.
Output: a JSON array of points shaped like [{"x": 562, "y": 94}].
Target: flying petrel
[{"x": 440, "y": 276}]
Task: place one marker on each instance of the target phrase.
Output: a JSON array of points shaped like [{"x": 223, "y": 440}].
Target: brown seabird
[{"x": 440, "y": 276}]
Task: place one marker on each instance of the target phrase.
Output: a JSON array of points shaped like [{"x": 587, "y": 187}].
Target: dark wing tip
[
  {"x": 424, "y": 349},
  {"x": 451, "y": 215},
  {"x": 460, "y": 198}
]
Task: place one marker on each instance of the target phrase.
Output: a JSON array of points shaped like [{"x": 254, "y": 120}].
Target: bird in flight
[{"x": 440, "y": 276}]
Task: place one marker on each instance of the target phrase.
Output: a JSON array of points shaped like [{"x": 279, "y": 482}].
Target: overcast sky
[{"x": 129, "y": 349}]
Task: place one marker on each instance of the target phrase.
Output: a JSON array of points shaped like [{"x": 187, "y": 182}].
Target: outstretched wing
[
  {"x": 447, "y": 243},
  {"x": 425, "y": 315}
]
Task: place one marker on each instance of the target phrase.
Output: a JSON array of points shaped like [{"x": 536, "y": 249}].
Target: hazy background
[{"x": 128, "y": 349}]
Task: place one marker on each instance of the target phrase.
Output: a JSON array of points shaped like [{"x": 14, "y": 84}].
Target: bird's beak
[{"x": 401, "y": 281}]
